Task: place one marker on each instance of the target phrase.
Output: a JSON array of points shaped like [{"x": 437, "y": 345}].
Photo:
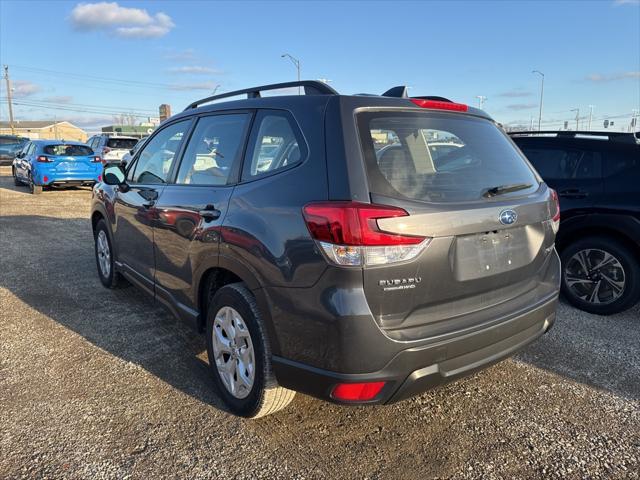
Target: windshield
[
  {"x": 122, "y": 143},
  {"x": 441, "y": 157},
  {"x": 68, "y": 150}
]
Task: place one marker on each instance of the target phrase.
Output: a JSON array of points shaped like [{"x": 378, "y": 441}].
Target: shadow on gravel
[
  {"x": 591, "y": 349},
  {"x": 48, "y": 263}
]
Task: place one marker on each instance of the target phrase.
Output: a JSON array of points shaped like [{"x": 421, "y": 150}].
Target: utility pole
[
  {"x": 296, "y": 62},
  {"x": 541, "y": 96},
  {"x": 590, "y": 116},
  {"x": 577, "y": 110},
  {"x": 9, "y": 102},
  {"x": 481, "y": 100}
]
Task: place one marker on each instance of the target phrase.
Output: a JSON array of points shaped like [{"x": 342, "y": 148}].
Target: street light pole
[
  {"x": 296, "y": 62},
  {"x": 481, "y": 100},
  {"x": 541, "y": 96},
  {"x": 590, "y": 115}
]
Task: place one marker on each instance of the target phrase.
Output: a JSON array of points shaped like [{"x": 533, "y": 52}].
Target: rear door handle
[{"x": 210, "y": 213}]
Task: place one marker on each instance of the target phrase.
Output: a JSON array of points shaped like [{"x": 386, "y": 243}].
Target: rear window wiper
[{"x": 500, "y": 189}]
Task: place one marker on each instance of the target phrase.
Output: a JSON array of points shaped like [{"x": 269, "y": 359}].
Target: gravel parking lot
[{"x": 106, "y": 384}]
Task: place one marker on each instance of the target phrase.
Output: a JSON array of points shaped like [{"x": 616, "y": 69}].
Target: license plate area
[{"x": 491, "y": 253}]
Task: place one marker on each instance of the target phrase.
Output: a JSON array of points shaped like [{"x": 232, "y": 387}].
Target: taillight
[
  {"x": 556, "y": 210},
  {"x": 349, "y": 234},
  {"x": 44, "y": 159},
  {"x": 96, "y": 159},
  {"x": 356, "y": 392},
  {"x": 438, "y": 105}
]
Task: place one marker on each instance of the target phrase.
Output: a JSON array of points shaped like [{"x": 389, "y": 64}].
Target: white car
[{"x": 111, "y": 149}]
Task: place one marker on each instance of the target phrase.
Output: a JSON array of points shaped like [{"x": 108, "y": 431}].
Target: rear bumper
[
  {"x": 66, "y": 178},
  {"x": 417, "y": 369}
]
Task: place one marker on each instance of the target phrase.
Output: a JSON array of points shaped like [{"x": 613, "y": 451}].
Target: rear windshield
[
  {"x": 68, "y": 150},
  {"x": 124, "y": 143},
  {"x": 441, "y": 157}
]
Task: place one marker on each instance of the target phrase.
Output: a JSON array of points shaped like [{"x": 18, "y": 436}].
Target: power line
[{"x": 79, "y": 110}]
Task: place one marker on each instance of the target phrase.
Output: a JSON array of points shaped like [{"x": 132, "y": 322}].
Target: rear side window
[
  {"x": 440, "y": 157},
  {"x": 276, "y": 144},
  {"x": 564, "y": 164},
  {"x": 68, "y": 150},
  {"x": 213, "y": 149},
  {"x": 122, "y": 143}
]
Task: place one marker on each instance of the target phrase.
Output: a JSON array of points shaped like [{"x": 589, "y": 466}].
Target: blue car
[{"x": 56, "y": 163}]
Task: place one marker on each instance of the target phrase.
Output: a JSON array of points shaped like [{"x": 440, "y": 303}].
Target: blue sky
[{"x": 87, "y": 61}]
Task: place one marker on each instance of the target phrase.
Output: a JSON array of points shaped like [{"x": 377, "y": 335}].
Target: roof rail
[
  {"x": 311, "y": 87},
  {"x": 625, "y": 137}
]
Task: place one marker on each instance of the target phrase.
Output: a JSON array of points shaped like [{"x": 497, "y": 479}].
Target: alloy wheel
[
  {"x": 233, "y": 352},
  {"x": 595, "y": 276},
  {"x": 104, "y": 253}
]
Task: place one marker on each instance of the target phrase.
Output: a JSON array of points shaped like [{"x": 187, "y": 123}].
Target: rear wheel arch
[
  {"x": 232, "y": 271},
  {"x": 612, "y": 233}
]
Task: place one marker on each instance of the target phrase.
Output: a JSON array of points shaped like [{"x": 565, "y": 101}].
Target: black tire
[
  {"x": 33, "y": 188},
  {"x": 613, "y": 301},
  {"x": 265, "y": 396},
  {"x": 111, "y": 278}
]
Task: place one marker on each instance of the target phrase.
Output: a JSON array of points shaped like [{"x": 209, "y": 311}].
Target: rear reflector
[
  {"x": 45, "y": 179},
  {"x": 356, "y": 392},
  {"x": 457, "y": 107},
  {"x": 349, "y": 235}
]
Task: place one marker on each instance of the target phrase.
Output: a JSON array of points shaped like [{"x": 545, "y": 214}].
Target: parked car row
[
  {"x": 59, "y": 163},
  {"x": 10, "y": 145}
]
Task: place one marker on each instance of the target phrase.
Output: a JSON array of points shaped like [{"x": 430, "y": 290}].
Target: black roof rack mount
[{"x": 311, "y": 87}]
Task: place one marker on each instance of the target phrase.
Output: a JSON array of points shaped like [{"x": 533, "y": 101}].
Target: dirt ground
[{"x": 106, "y": 384}]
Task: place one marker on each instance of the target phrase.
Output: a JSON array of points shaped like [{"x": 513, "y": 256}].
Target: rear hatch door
[{"x": 487, "y": 214}]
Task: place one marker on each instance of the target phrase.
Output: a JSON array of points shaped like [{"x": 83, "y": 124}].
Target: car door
[
  {"x": 26, "y": 162},
  {"x": 20, "y": 170},
  {"x": 134, "y": 203},
  {"x": 574, "y": 171},
  {"x": 190, "y": 210}
]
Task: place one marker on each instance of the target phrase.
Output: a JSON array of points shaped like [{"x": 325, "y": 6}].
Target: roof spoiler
[{"x": 402, "y": 91}]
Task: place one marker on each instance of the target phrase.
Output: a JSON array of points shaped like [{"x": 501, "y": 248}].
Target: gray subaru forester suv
[{"x": 360, "y": 249}]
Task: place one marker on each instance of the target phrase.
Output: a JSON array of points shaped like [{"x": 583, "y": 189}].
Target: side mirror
[
  {"x": 113, "y": 175},
  {"x": 131, "y": 152},
  {"x": 20, "y": 155}
]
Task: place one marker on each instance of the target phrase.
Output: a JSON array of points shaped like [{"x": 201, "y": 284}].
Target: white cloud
[
  {"x": 120, "y": 21},
  {"x": 23, "y": 88},
  {"x": 194, "y": 69},
  {"x": 515, "y": 93},
  {"x": 193, "y": 86},
  {"x": 522, "y": 106},
  {"x": 599, "y": 77},
  {"x": 58, "y": 99},
  {"x": 180, "y": 55}
]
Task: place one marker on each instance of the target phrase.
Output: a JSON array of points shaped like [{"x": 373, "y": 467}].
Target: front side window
[
  {"x": 441, "y": 157},
  {"x": 277, "y": 145},
  {"x": 158, "y": 154},
  {"x": 213, "y": 150}
]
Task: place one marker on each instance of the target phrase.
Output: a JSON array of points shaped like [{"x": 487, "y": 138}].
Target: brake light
[
  {"x": 349, "y": 234},
  {"x": 555, "y": 210},
  {"x": 44, "y": 159},
  {"x": 96, "y": 159},
  {"x": 438, "y": 105},
  {"x": 354, "y": 392}
]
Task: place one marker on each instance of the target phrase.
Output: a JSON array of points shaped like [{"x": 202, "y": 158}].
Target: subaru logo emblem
[{"x": 508, "y": 217}]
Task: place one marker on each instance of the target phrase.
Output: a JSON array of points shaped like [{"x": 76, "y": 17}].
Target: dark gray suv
[{"x": 360, "y": 249}]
